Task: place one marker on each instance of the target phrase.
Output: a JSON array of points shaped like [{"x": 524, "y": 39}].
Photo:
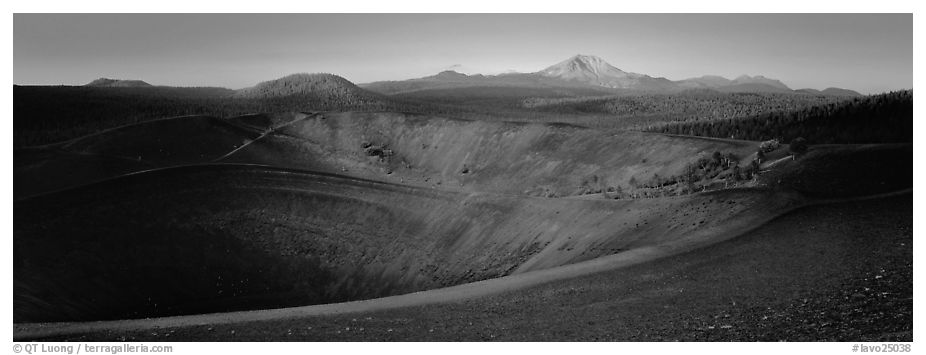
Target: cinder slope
[
  {"x": 836, "y": 273},
  {"x": 221, "y": 238},
  {"x": 838, "y": 171},
  {"x": 165, "y": 142},
  {"x": 458, "y": 155},
  {"x": 137, "y": 147},
  {"x": 512, "y": 158},
  {"x": 218, "y": 238}
]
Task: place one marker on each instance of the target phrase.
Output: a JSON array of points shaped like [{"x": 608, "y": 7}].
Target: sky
[{"x": 869, "y": 53}]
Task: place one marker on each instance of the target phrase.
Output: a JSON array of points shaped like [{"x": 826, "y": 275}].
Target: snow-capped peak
[{"x": 593, "y": 70}]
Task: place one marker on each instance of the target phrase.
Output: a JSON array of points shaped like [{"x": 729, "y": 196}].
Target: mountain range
[
  {"x": 580, "y": 75},
  {"x": 593, "y": 72}
]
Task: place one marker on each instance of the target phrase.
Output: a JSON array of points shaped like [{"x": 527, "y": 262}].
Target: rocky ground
[{"x": 837, "y": 272}]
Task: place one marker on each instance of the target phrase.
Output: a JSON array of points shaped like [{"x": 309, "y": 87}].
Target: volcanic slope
[
  {"x": 418, "y": 150},
  {"x": 460, "y": 155},
  {"x": 324, "y": 91},
  {"x": 137, "y": 147},
  {"x": 440, "y": 236},
  {"x": 336, "y": 207},
  {"x": 839, "y": 272},
  {"x": 227, "y": 237},
  {"x": 823, "y": 272}
]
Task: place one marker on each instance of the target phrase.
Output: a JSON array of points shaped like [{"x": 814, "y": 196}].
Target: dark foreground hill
[
  {"x": 455, "y": 192},
  {"x": 577, "y": 269},
  {"x": 824, "y": 273},
  {"x": 49, "y": 114}
]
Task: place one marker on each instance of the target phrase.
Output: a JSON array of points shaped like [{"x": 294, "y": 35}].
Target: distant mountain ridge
[
  {"x": 742, "y": 83},
  {"x": 758, "y": 79},
  {"x": 831, "y": 92},
  {"x": 706, "y": 81},
  {"x": 580, "y": 75},
  {"x": 592, "y": 71},
  {"x": 578, "y": 71},
  {"x": 117, "y": 83}
]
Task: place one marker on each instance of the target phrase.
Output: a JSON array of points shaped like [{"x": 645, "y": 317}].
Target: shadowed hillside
[
  {"x": 833, "y": 171},
  {"x": 52, "y": 114},
  {"x": 221, "y": 238},
  {"x": 309, "y": 238},
  {"x": 127, "y": 149}
]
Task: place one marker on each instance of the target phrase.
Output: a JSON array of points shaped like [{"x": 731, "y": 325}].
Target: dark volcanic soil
[
  {"x": 847, "y": 170},
  {"x": 219, "y": 238},
  {"x": 455, "y": 202},
  {"x": 840, "y": 272}
]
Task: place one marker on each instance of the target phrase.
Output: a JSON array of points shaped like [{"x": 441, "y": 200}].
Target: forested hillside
[
  {"x": 690, "y": 105},
  {"x": 885, "y": 118}
]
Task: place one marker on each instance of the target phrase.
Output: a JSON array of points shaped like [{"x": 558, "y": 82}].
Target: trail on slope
[
  {"x": 701, "y": 238},
  {"x": 269, "y": 131}
]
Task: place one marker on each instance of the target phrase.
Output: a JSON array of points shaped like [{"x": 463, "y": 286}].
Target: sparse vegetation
[
  {"x": 718, "y": 171},
  {"x": 374, "y": 150},
  {"x": 769, "y": 146},
  {"x": 798, "y": 146}
]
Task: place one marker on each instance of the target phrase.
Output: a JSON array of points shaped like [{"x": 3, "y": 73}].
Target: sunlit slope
[
  {"x": 513, "y": 158},
  {"x": 530, "y": 159}
]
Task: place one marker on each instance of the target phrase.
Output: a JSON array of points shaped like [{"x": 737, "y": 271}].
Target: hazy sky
[{"x": 869, "y": 53}]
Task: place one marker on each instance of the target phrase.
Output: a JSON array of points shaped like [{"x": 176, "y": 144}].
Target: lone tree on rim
[{"x": 798, "y": 146}]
